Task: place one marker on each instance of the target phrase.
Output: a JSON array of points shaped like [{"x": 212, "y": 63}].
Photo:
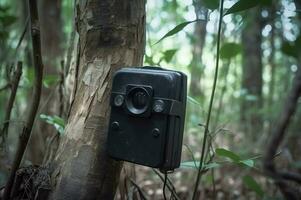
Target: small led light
[
  {"x": 118, "y": 100},
  {"x": 158, "y": 106}
]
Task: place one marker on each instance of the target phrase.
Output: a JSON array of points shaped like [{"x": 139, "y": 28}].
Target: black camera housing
[{"x": 147, "y": 116}]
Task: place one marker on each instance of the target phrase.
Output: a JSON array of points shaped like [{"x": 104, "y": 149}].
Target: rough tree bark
[
  {"x": 111, "y": 36},
  {"x": 252, "y": 74}
]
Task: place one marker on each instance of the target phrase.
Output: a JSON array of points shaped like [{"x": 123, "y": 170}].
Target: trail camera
[{"x": 147, "y": 116}]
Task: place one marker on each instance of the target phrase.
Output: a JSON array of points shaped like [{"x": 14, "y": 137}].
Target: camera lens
[
  {"x": 137, "y": 100},
  {"x": 140, "y": 99}
]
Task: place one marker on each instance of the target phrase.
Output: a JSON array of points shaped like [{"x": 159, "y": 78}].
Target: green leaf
[
  {"x": 54, "y": 120},
  {"x": 253, "y": 185},
  {"x": 149, "y": 60},
  {"x": 175, "y": 30},
  {"x": 229, "y": 154},
  {"x": 195, "y": 165},
  {"x": 230, "y": 50},
  {"x": 248, "y": 162},
  {"x": 234, "y": 157},
  {"x": 211, "y": 4},
  {"x": 168, "y": 54},
  {"x": 50, "y": 80},
  {"x": 242, "y": 5}
]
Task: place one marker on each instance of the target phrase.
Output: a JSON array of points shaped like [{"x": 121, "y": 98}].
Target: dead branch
[
  {"x": 38, "y": 66},
  {"x": 140, "y": 191},
  {"x": 278, "y": 134},
  {"x": 14, "y": 87}
]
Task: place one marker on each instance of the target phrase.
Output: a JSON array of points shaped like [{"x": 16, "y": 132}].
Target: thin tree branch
[
  {"x": 14, "y": 88},
  {"x": 38, "y": 66},
  {"x": 141, "y": 192},
  {"x": 278, "y": 134},
  {"x": 19, "y": 42}
]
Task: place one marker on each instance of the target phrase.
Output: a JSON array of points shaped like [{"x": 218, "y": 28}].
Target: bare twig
[
  {"x": 6, "y": 56},
  {"x": 278, "y": 134},
  {"x": 140, "y": 191},
  {"x": 38, "y": 66},
  {"x": 14, "y": 88}
]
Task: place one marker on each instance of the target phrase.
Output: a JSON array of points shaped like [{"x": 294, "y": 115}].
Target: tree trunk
[
  {"x": 111, "y": 36},
  {"x": 252, "y": 74},
  {"x": 196, "y": 65}
]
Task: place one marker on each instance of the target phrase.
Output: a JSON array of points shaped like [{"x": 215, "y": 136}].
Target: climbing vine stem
[{"x": 206, "y": 131}]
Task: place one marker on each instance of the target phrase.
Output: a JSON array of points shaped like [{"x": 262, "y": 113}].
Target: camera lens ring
[{"x": 138, "y": 100}]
